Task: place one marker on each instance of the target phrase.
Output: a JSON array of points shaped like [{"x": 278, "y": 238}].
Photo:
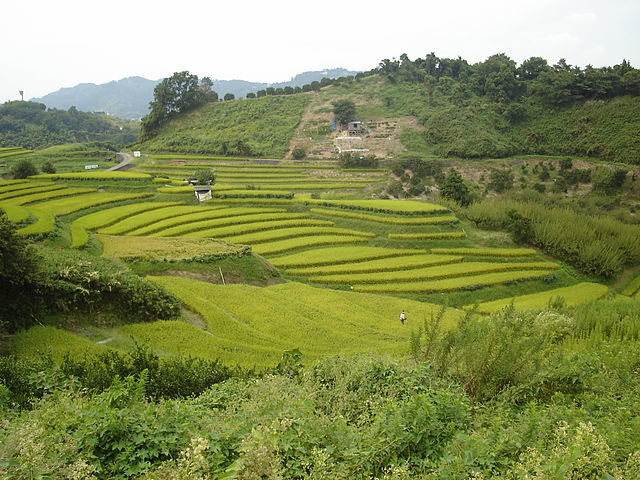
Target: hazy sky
[{"x": 46, "y": 45}]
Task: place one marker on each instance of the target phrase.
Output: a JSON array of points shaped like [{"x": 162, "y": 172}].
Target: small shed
[
  {"x": 355, "y": 127},
  {"x": 203, "y": 192}
]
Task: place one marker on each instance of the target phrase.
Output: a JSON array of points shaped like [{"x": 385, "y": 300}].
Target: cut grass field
[
  {"x": 567, "y": 296},
  {"x": 168, "y": 249}
]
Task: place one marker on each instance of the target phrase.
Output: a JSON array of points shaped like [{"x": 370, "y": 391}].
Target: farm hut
[
  {"x": 203, "y": 192},
  {"x": 355, "y": 127}
]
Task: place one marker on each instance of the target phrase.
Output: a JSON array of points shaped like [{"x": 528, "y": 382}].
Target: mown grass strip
[
  {"x": 458, "y": 283},
  {"x": 380, "y": 265},
  {"x": 340, "y": 255},
  {"x": 101, "y": 175},
  {"x": 569, "y": 296},
  {"x": 38, "y": 197},
  {"x": 430, "y": 273},
  {"x": 249, "y": 228},
  {"x": 67, "y": 205},
  {"x": 486, "y": 252},
  {"x": 284, "y": 233},
  {"x": 104, "y": 218},
  {"x": 386, "y": 219},
  {"x": 427, "y": 236},
  {"x": 209, "y": 224},
  {"x": 633, "y": 287},
  {"x": 45, "y": 223},
  {"x": 280, "y": 246}
]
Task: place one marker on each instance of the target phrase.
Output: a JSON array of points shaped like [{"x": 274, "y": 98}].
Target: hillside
[
  {"x": 413, "y": 118},
  {"x": 31, "y": 125},
  {"x": 130, "y": 97}
]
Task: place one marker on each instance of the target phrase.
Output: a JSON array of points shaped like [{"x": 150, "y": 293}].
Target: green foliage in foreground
[{"x": 514, "y": 396}]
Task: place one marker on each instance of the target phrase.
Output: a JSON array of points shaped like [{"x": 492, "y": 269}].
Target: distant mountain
[{"x": 130, "y": 97}]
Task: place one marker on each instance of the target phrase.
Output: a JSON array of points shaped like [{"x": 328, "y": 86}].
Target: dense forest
[{"x": 33, "y": 125}]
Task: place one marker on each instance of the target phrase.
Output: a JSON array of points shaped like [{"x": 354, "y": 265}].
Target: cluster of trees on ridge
[{"x": 33, "y": 125}]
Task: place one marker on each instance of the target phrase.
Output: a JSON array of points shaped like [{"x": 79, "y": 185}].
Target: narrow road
[{"x": 125, "y": 159}]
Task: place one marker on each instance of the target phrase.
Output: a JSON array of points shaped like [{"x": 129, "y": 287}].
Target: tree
[
  {"x": 519, "y": 227},
  {"x": 298, "y": 153},
  {"x": 20, "y": 277},
  {"x": 178, "y": 93},
  {"x": 48, "y": 167},
  {"x": 251, "y": 95},
  {"x": 23, "y": 169},
  {"x": 206, "y": 177},
  {"x": 261, "y": 93},
  {"x": 344, "y": 110},
  {"x": 501, "y": 180},
  {"x": 229, "y": 96},
  {"x": 454, "y": 188}
]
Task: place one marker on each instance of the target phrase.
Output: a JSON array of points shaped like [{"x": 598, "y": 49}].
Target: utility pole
[{"x": 21, "y": 95}]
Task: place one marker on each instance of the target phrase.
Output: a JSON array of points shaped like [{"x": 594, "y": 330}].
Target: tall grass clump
[{"x": 595, "y": 245}]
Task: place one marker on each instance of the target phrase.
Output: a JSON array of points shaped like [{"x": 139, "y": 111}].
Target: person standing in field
[{"x": 402, "y": 317}]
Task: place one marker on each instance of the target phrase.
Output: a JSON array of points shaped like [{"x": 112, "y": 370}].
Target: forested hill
[
  {"x": 130, "y": 97},
  {"x": 31, "y": 125},
  {"x": 435, "y": 106}
]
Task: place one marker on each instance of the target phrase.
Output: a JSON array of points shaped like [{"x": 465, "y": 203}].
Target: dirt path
[{"x": 125, "y": 160}]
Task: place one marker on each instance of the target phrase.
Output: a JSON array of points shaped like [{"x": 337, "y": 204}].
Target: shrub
[
  {"x": 23, "y": 169},
  {"x": 298, "y": 153},
  {"x": 47, "y": 167},
  {"x": 205, "y": 177}
]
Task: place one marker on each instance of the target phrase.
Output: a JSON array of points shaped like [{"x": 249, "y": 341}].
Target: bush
[
  {"x": 299, "y": 153},
  {"x": 205, "y": 177},
  {"x": 47, "y": 167},
  {"x": 24, "y": 169},
  {"x": 355, "y": 160}
]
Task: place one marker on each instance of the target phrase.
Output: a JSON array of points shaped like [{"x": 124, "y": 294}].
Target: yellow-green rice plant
[
  {"x": 281, "y": 234},
  {"x": 101, "y": 175},
  {"x": 254, "y": 201},
  {"x": 190, "y": 189},
  {"x": 429, "y": 273},
  {"x": 52, "y": 341},
  {"x": 340, "y": 255},
  {"x": 406, "y": 262},
  {"x": 168, "y": 249},
  {"x": 45, "y": 223},
  {"x": 65, "y": 206},
  {"x": 386, "y": 219},
  {"x": 427, "y": 236},
  {"x": 26, "y": 185},
  {"x": 4, "y": 183},
  {"x": 401, "y": 207},
  {"x": 486, "y": 252},
  {"x": 246, "y": 228},
  {"x": 457, "y": 283},
  {"x": 15, "y": 213},
  {"x": 147, "y": 218},
  {"x": 36, "y": 197},
  {"x": 316, "y": 186},
  {"x": 571, "y": 297},
  {"x": 208, "y": 217},
  {"x": 632, "y": 288},
  {"x": 104, "y": 218},
  {"x": 280, "y": 246}
]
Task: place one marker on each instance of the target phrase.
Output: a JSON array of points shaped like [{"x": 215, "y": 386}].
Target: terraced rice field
[
  {"x": 434, "y": 220},
  {"x": 339, "y": 255},
  {"x": 571, "y": 296},
  {"x": 317, "y": 321}
]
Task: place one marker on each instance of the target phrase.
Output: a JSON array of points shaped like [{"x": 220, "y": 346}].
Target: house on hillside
[
  {"x": 355, "y": 128},
  {"x": 202, "y": 192}
]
